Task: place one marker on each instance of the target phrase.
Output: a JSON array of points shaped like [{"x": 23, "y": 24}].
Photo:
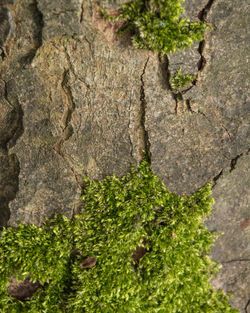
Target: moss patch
[
  {"x": 157, "y": 25},
  {"x": 135, "y": 248},
  {"x": 179, "y": 81}
]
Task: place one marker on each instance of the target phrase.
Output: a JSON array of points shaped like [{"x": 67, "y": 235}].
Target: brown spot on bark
[
  {"x": 108, "y": 28},
  {"x": 88, "y": 263},
  {"x": 245, "y": 223}
]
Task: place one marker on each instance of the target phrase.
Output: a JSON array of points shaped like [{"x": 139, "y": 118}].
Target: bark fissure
[
  {"x": 40, "y": 25},
  {"x": 132, "y": 150},
  {"x": 145, "y": 144},
  {"x": 67, "y": 129},
  {"x": 217, "y": 177},
  {"x": 247, "y": 305},
  {"x": 234, "y": 162},
  {"x": 203, "y": 18},
  {"x": 82, "y": 11},
  {"x": 181, "y": 104},
  {"x": 235, "y": 260},
  {"x": 188, "y": 104},
  {"x": 165, "y": 73},
  {"x": 9, "y": 162},
  {"x": 204, "y": 12},
  {"x": 27, "y": 59}
]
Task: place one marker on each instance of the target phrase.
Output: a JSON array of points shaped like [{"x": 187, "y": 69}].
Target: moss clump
[
  {"x": 179, "y": 81},
  {"x": 157, "y": 25},
  {"x": 93, "y": 263}
]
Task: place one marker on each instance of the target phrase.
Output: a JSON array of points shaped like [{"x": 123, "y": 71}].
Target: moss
[
  {"x": 136, "y": 247},
  {"x": 179, "y": 81},
  {"x": 157, "y": 25}
]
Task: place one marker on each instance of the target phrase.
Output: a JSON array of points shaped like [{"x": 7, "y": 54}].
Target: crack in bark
[
  {"x": 82, "y": 11},
  {"x": 181, "y": 104},
  {"x": 216, "y": 178},
  {"x": 234, "y": 162},
  {"x": 246, "y": 306},
  {"x": 227, "y": 132},
  {"x": 188, "y": 104},
  {"x": 204, "y": 12},
  {"x": 67, "y": 131},
  {"x": 40, "y": 25},
  {"x": 176, "y": 96},
  {"x": 9, "y": 162},
  {"x": 27, "y": 59},
  {"x": 202, "y": 62},
  {"x": 132, "y": 150},
  {"x": 6, "y": 92},
  {"x": 17, "y": 127},
  {"x": 202, "y": 15},
  {"x": 144, "y": 142},
  {"x": 203, "y": 114},
  {"x": 235, "y": 260}
]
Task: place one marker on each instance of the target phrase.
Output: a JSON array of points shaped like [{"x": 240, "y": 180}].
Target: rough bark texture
[{"x": 77, "y": 100}]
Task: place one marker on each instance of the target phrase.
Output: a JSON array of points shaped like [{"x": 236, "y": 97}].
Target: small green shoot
[{"x": 179, "y": 81}]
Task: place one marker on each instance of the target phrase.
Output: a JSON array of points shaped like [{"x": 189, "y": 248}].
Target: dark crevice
[
  {"x": 203, "y": 18},
  {"x": 247, "y": 305},
  {"x": 188, "y": 104},
  {"x": 67, "y": 130},
  {"x": 2, "y": 54},
  {"x": 180, "y": 102},
  {"x": 165, "y": 74},
  {"x": 234, "y": 162},
  {"x": 202, "y": 62},
  {"x": 132, "y": 154},
  {"x": 232, "y": 167},
  {"x": 204, "y": 12},
  {"x": 5, "y": 30},
  {"x": 82, "y": 12},
  {"x": 227, "y": 132},
  {"x": 70, "y": 102},
  {"x": 9, "y": 162},
  {"x": 203, "y": 114},
  {"x": 187, "y": 89},
  {"x": 235, "y": 260},
  {"x": 216, "y": 178},
  {"x": 143, "y": 104},
  {"x": 26, "y": 60},
  {"x": 39, "y": 23},
  {"x": 17, "y": 124}
]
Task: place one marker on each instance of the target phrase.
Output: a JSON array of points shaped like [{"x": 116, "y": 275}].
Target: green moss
[
  {"x": 157, "y": 25},
  {"x": 179, "y": 81},
  {"x": 119, "y": 215}
]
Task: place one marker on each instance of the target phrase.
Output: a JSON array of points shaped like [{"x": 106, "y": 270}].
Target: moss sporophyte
[
  {"x": 136, "y": 247},
  {"x": 158, "y": 25}
]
